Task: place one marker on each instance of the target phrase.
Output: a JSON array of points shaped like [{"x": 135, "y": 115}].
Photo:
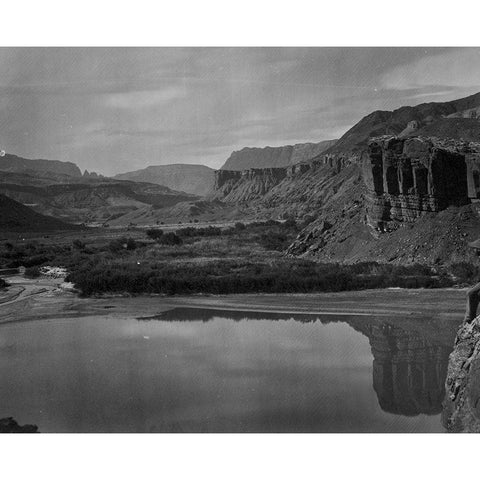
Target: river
[{"x": 207, "y": 368}]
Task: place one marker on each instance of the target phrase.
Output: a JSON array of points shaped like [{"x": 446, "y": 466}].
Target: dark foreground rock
[
  {"x": 461, "y": 412},
  {"x": 9, "y": 425}
]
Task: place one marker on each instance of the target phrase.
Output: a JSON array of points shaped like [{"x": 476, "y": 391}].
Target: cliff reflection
[
  {"x": 410, "y": 355},
  {"x": 408, "y": 370}
]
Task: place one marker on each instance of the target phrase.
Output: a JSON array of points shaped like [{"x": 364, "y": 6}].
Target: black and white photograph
[{"x": 239, "y": 239}]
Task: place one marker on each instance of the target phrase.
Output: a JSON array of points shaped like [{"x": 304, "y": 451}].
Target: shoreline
[{"x": 42, "y": 298}]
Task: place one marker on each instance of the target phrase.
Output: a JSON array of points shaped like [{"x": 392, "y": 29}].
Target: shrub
[
  {"x": 466, "y": 272},
  {"x": 240, "y": 226},
  {"x": 32, "y": 272},
  {"x": 154, "y": 233},
  {"x": 273, "y": 240},
  {"x": 170, "y": 238},
  {"x": 78, "y": 244}
]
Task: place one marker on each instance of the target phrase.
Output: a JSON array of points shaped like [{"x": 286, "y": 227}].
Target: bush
[
  {"x": 154, "y": 233},
  {"x": 273, "y": 241},
  {"x": 465, "y": 272},
  {"x": 240, "y": 226},
  {"x": 170, "y": 238},
  {"x": 32, "y": 272},
  {"x": 78, "y": 244},
  {"x": 199, "y": 232},
  {"x": 122, "y": 243}
]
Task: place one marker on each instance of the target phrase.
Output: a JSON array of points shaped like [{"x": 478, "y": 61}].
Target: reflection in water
[
  {"x": 410, "y": 356},
  {"x": 237, "y": 372},
  {"x": 408, "y": 371}
]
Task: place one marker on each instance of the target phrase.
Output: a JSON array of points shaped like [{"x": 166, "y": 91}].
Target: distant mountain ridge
[
  {"x": 455, "y": 119},
  {"x": 189, "y": 178},
  {"x": 274, "y": 157},
  {"x": 14, "y": 163}
]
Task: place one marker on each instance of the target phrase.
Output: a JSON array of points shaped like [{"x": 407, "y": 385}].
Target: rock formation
[
  {"x": 274, "y": 157},
  {"x": 407, "y": 178},
  {"x": 259, "y": 183},
  {"x": 462, "y": 400},
  {"x": 234, "y": 186}
]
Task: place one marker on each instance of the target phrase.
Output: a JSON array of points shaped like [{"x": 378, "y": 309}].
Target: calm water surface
[{"x": 192, "y": 370}]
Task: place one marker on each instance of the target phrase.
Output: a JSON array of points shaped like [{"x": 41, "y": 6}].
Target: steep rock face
[
  {"x": 462, "y": 400},
  {"x": 407, "y": 178},
  {"x": 232, "y": 186},
  {"x": 302, "y": 182},
  {"x": 274, "y": 157},
  {"x": 12, "y": 163}
]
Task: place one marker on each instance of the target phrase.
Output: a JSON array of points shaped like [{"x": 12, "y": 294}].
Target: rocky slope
[
  {"x": 411, "y": 120},
  {"x": 86, "y": 199},
  {"x": 274, "y": 157},
  {"x": 188, "y": 178},
  {"x": 414, "y": 204},
  {"x": 462, "y": 400},
  {"x": 12, "y": 163},
  {"x": 15, "y": 217},
  {"x": 410, "y": 199}
]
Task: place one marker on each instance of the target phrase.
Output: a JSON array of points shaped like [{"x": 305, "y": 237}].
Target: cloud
[
  {"x": 455, "y": 67},
  {"x": 144, "y": 98}
]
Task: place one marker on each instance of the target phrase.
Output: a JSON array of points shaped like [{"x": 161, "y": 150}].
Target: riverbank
[{"x": 30, "y": 299}]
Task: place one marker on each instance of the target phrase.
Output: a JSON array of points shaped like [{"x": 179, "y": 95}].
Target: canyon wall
[
  {"x": 235, "y": 186},
  {"x": 406, "y": 178},
  {"x": 461, "y": 412},
  {"x": 274, "y": 157}
]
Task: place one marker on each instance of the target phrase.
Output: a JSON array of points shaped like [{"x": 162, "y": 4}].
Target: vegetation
[
  {"x": 236, "y": 259},
  {"x": 3, "y": 284},
  {"x": 238, "y": 276}
]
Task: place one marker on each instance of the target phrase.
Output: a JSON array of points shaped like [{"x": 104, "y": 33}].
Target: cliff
[
  {"x": 406, "y": 178},
  {"x": 274, "y": 157},
  {"x": 233, "y": 186},
  {"x": 281, "y": 187},
  {"x": 462, "y": 400}
]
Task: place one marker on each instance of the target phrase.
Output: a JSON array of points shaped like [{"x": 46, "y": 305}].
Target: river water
[{"x": 200, "y": 370}]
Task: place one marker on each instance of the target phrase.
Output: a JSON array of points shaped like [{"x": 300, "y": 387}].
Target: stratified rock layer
[
  {"x": 275, "y": 157},
  {"x": 462, "y": 399},
  {"x": 406, "y": 178}
]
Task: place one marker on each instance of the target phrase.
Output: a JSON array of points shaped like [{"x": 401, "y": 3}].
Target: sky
[{"x": 113, "y": 110}]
